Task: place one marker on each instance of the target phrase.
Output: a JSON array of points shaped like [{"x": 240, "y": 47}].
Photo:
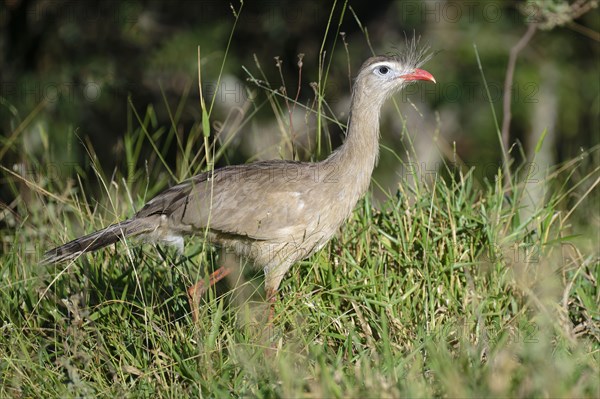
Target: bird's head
[{"x": 381, "y": 76}]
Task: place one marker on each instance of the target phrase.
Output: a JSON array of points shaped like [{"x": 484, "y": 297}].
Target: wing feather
[{"x": 242, "y": 200}]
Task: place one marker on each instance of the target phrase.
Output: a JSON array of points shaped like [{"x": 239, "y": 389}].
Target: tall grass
[{"x": 442, "y": 292}]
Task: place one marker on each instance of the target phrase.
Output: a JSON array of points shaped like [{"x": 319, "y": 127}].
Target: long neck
[{"x": 355, "y": 159}]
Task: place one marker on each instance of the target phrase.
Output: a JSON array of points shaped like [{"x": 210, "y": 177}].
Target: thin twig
[
  {"x": 510, "y": 71},
  {"x": 291, "y": 112},
  {"x": 343, "y": 35}
]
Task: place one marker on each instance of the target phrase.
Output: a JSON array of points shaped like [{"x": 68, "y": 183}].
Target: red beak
[{"x": 419, "y": 74}]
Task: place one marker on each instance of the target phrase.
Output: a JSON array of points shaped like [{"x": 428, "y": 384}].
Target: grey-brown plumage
[{"x": 275, "y": 212}]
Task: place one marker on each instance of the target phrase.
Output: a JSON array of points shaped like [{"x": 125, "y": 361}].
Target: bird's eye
[{"x": 383, "y": 70}]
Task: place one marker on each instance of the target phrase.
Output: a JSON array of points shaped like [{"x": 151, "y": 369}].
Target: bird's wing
[{"x": 263, "y": 201}]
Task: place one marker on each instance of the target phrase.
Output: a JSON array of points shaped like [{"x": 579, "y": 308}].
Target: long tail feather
[{"x": 91, "y": 242}]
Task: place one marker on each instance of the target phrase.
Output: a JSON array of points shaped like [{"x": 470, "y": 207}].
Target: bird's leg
[
  {"x": 273, "y": 279},
  {"x": 272, "y": 298},
  {"x": 196, "y": 291},
  {"x": 268, "y": 329}
]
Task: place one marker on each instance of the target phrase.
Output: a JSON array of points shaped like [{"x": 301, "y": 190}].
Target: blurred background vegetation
[{"x": 74, "y": 75}]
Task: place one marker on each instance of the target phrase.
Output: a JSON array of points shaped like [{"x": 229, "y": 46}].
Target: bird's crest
[{"x": 413, "y": 54}]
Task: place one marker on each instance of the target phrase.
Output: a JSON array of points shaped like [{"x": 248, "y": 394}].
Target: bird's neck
[{"x": 355, "y": 159}]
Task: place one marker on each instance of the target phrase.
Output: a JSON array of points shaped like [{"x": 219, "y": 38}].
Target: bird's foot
[{"x": 196, "y": 291}]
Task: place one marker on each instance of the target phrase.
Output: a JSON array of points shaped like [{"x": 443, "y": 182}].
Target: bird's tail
[{"x": 93, "y": 241}]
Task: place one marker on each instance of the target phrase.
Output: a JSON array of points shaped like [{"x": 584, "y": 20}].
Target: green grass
[{"x": 446, "y": 290}]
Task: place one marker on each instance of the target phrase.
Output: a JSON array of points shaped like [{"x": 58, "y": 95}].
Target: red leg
[
  {"x": 272, "y": 298},
  {"x": 197, "y": 290}
]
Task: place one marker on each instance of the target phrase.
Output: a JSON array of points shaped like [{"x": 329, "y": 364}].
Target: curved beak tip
[{"x": 419, "y": 74}]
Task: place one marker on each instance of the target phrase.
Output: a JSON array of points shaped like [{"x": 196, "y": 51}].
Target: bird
[{"x": 273, "y": 213}]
